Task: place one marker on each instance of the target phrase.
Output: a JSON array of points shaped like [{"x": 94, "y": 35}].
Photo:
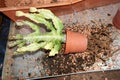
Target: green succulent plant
[{"x": 34, "y": 41}]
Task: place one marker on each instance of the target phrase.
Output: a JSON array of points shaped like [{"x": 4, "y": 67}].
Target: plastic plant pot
[
  {"x": 116, "y": 19},
  {"x": 75, "y": 42}
]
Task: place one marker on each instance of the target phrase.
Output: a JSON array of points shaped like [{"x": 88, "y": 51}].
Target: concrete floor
[{"x": 104, "y": 13}]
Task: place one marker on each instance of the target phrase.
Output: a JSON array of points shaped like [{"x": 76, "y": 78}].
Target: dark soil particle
[
  {"x": 108, "y": 14},
  {"x": 62, "y": 64},
  {"x": 29, "y": 74},
  {"x": 98, "y": 48}
]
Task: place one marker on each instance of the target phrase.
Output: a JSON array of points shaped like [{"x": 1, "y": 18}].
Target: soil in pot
[
  {"x": 19, "y": 3},
  {"x": 98, "y": 49}
]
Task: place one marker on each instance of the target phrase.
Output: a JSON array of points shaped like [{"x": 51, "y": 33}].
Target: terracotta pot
[
  {"x": 116, "y": 19},
  {"x": 75, "y": 42}
]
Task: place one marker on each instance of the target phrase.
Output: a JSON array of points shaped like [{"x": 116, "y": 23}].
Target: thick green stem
[
  {"x": 38, "y": 38},
  {"x": 30, "y": 48}
]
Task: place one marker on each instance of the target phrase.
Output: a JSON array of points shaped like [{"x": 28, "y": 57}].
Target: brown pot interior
[
  {"x": 116, "y": 19},
  {"x": 75, "y": 42}
]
